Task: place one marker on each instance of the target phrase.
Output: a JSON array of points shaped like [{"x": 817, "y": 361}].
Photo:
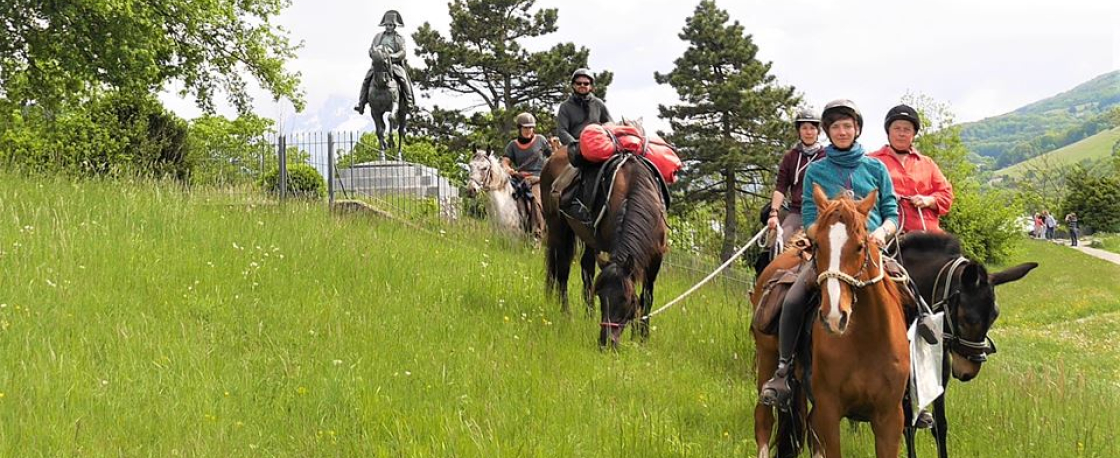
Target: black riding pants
[{"x": 798, "y": 304}]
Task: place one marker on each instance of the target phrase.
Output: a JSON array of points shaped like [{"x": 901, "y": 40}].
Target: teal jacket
[{"x": 851, "y": 169}]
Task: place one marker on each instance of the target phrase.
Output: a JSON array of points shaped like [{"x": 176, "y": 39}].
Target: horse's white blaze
[
  {"x": 837, "y": 237},
  {"x": 764, "y": 451}
]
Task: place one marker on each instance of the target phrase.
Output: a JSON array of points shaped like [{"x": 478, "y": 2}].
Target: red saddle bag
[{"x": 598, "y": 142}]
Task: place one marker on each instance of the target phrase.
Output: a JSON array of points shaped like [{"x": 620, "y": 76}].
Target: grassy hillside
[
  {"x": 1060, "y": 115},
  {"x": 140, "y": 321},
  {"x": 1095, "y": 147}
]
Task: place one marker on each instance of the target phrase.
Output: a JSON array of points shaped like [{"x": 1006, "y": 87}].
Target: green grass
[
  {"x": 142, "y": 321},
  {"x": 1095, "y": 147},
  {"x": 1109, "y": 242}
]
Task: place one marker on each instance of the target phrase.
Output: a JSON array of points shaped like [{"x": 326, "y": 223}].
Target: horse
[
  {"x": 965, "y": 290},
  {"x": 384, "y": 96},
  {"x": 633, "y": 234},
  {"x": 487, "y": 175},
  {"x": 860, "y": 358}
]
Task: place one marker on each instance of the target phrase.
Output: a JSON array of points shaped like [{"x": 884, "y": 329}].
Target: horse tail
[{"x": 792, "y": 425}]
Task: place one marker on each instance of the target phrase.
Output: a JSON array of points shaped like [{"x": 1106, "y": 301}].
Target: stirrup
[
  {"x": 924, "y": 420},
  {"x": 777, "y": 391}
]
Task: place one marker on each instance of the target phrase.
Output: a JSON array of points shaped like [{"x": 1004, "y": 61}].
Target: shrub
[{"x": 303, "y": 182}]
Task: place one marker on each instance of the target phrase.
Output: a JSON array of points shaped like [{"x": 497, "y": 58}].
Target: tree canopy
[{"x": 54, "y": 52}]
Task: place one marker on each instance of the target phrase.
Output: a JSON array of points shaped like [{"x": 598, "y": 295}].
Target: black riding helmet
[
  {"x": 902, "y": 112},
  {"x": 586, "y": 73},
  {"x": 840, "y": 108}
]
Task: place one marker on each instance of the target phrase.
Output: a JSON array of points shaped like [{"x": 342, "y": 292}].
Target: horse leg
[
  {"x": 558, "y": 261},
  {"x": 887, "y": 425},
  {"x": 909, "y": 430},
  {"x": 380, "y": 124},
  {"x": 940, "y": 426},
  {"x": 824, "y": 427},
  {"x": 647, "y": 296},
  {"x": 766, "y": 362},
  {"x": 587, "y": 272}
]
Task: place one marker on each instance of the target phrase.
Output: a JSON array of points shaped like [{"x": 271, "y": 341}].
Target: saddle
[
  {"x": 769, "y": 307},
  {"x": 589, "y": 194}
]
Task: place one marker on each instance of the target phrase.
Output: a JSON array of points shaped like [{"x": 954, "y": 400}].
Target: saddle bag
[
  {"x": 598, "y": 142},
  {"x": 769, "y": 309}
]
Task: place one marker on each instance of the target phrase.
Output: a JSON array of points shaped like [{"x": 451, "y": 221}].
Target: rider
[
  {"x": 791, "y": 173},
  {"x": 918, "y": 182},
  {"x": 524, "y": 158},
  {"x": 581, "y": 109},
  {"x": 395, "y": 42},
  {"x": 845, "y": 168}
]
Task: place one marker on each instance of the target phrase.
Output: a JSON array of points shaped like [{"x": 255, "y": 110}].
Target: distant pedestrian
[
  {"x": 1074, "y": 230},
  {"x": 1037, "y": 233},
  {"x": 1050, "y": 223}
]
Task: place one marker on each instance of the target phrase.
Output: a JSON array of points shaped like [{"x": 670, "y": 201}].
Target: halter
[
  {"x": 485, "y": 185},
  {"x": 973, "y": 350},
  {"x": 852, "y": 280}
]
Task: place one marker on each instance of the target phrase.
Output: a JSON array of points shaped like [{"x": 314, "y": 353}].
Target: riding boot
[
  {"x": 925, "y": 420},
  {"x": 796, "y": 306}
]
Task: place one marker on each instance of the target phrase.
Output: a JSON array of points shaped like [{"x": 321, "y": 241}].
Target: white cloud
[{"x": 983, "y": 58}]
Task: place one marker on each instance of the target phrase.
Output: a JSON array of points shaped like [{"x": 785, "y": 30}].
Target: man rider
[
  {"x": 575, "y": 113},
  {"x": 395, "y": 42},
  {"x": 524, "y": 158}
]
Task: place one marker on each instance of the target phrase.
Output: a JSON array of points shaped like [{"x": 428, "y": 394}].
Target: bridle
[
  {"x": 851, "y": 279},
  {"x": 488, "y": 178},
  {"x": 976, "y": 351}
]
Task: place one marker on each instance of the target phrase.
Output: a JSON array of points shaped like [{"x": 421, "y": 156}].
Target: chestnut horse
[
  {"x": 860, "y": 357},
  {"x": 633, "y": 234}
]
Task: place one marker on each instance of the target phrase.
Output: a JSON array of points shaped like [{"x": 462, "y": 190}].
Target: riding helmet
[
  {"x": 526, "y": 120},
  {"x": 904, "y": 112},
  {"x": 837, "y": 107},
  {"x": 806, "y": 115},
  {"x": 584, "y": 73}
]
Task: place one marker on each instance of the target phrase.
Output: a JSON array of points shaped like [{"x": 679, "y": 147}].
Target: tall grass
[{"x": 139, "y": 320}]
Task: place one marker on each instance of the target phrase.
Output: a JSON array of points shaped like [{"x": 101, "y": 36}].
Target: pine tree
[
  {"x": 732, "y": 124},
  {"x": 483, "y": 58}
]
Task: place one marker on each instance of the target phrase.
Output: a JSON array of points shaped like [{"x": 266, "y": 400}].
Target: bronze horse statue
[
  {"x": 384, "y": 96},
  {"x": 632, "y": 237}
]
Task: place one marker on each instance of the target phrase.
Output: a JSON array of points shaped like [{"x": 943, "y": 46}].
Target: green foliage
[
  {"x": 484, "y": 58},
  {"x": 55, "y": 53},
  {"x": 114, "y": 133},
  {"x": 303, "y": 182},
  {"x": 732, "y": 124},
  {"x": 225, "y": 152},
  {"x": 984, "y": 221},
  {"x": 1095, "y": 199}
]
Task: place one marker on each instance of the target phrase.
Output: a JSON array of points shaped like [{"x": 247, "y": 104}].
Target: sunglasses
[{"x": 581, "y": 83}]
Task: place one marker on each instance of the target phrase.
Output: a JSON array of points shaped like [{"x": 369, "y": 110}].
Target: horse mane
[
  {"x": 638, "y": 218},
  {"x": 845, "y": 205},
  {"x": 931, "y": 242}
]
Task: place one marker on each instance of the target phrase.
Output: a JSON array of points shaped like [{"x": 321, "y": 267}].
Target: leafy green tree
[
  {"x": 983, "y": 221},
  {"x": 1095, "y": 198},
  {"x": 732, "y": 123},
  {"x": 224, "y": 151},
  {"x": 52, "y": 52},
  {"x": 484, "y": 58}
]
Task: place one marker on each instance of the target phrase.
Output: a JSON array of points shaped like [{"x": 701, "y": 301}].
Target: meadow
[{"x": 139, "y": 319}]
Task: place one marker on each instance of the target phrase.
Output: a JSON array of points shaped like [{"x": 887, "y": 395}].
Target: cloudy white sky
[{"x": 983, "y": 58}]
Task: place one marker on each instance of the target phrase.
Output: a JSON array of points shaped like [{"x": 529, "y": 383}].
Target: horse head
[
  {"x": 846, "y": 257},
  {"x": 485, "y": 174},
  {"x": 619, "y": 303},
  {"x": 971, "y": 312}
]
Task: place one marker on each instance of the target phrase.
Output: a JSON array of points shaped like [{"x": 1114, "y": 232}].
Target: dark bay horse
[
  {"x": 384, "y": 96},
  {"x": 966, "y": 292},
  {"x": 633, "y": 235}
]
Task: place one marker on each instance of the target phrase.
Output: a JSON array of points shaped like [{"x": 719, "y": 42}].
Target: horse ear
[
  {"x": 480, "y": 154},
  {"x": 1011, "y": 274},
  {"x": 819, "y": 197},
  {"x": 868, "y": 202},
  {"x": 973, "y": 275}
]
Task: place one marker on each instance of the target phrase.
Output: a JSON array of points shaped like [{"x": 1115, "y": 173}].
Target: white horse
[{"x": 488, "y": 176}]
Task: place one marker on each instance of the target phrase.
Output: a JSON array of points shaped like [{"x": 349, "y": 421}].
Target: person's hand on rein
[
  {"x": 772, "y": 223},
  {"x": 923, "y": 201}
]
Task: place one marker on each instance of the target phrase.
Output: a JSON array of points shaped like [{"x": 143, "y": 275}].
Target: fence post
[
  {"x": 283, "y": 176},
  {"x": 330, "y": 169}
]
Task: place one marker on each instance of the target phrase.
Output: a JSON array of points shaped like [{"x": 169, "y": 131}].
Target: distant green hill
[
  {"x": 1045, "y": 125},
  {"x": 1095, "y": 147}
]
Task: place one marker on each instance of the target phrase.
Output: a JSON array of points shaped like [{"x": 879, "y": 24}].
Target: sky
[{"x": 982, "y": 58}]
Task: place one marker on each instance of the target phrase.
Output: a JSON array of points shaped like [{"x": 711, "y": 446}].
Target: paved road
[{"x": 1106, "y": 255}]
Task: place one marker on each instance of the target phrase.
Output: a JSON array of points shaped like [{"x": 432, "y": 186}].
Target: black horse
[
  {"x": 966, "y": 292},
  {"x": 384, "y": 96}
]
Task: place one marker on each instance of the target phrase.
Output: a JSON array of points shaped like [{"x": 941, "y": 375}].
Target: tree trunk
[{"x": 730, "y": 225}]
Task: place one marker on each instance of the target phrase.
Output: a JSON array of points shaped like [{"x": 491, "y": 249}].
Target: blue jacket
[{"x": 851, "y": 169}]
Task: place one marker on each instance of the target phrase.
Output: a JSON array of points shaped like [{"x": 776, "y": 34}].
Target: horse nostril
[{"x": 843, "y": 321}]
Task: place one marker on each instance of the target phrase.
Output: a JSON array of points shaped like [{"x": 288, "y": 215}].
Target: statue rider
[{"x": 395, "y": 42}]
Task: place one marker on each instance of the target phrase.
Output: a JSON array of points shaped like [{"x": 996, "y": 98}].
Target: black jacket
[{"x": 576, "y": 113}]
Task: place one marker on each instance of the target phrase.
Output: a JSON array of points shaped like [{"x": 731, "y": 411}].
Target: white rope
[{"x": 711, "y": 275}]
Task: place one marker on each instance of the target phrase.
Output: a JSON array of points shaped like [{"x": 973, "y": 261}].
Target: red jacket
[{"x": 920, "y": 176}]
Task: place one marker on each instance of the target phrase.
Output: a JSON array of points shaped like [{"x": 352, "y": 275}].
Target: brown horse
[{"x": 633, "y": 234}]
